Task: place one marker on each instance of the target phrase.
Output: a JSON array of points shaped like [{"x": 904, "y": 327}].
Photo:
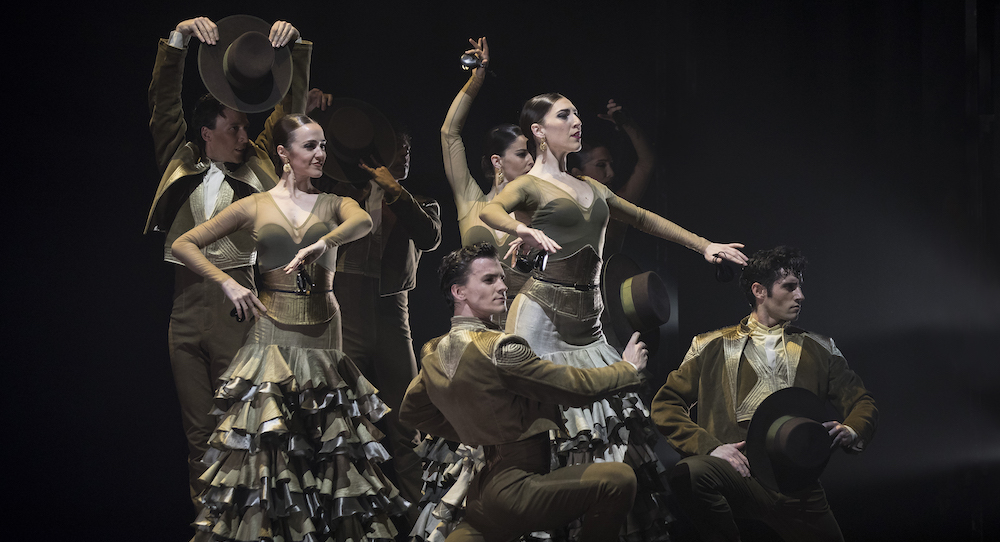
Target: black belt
[{"x": 578, "y": 286}]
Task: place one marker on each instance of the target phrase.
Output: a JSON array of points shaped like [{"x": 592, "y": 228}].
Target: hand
[
  {"x": 512, "y": 251},
  {"x": 636, "y": 353},
  {"x": 243, "y": 298},
  {"x": 733, "y": 454},
  {"x": 306, "y": 256},
  {"x": 840, "y": 433},
  {"x": 317, "y": 99},
  {"x": 480, "y": 50},
  {"x": 610, "y": 115},
  {"x": 202, "y": 27},
  {"x": 716, "y": 252},
  {"x": 532, "y": 238},
  {"x": 282, "y": 32},
  {"x": 383, "y": 178}
]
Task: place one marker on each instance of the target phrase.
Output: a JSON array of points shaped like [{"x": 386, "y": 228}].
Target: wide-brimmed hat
[
  {"x": 787, "y": 445},
  {"x": 635, "y": 301},
  {"x": 355, "y": 131},
  {"x": 243, "y": 70}
]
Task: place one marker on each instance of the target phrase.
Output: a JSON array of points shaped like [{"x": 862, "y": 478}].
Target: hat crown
[
  {"x": 248, "y": 59},
  {"x": 798, "y": 442}
]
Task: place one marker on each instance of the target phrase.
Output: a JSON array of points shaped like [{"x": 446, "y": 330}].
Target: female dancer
[
  {"x": 296, "y": 452},
  {"x": 558, "y": 309},
  {"x": 506, "y": 158}
]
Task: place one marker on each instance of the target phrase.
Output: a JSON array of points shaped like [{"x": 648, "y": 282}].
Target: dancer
[
  {"x": 483, "y": 387},
  {"x": 558, "y": 309},
  {"x": 296, "y": 451},
  {"x": 506, "y": 157},
  {"x": 199, "y": 179},
  {"x": 729, "y": 373}
]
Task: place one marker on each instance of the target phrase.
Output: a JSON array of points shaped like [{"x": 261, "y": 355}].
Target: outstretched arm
[
  {"x": 456, "y": 165},
  {"x": 655, "y": 224}
]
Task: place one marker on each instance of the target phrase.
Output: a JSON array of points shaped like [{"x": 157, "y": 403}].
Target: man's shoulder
[
  {"x": 728, "y": 332},
  {"x": 824, "y": 342}
]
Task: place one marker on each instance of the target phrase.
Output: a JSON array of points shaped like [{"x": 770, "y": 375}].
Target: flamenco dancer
[
  {"x": 558, "y": 309},
  {"x": 296, "y": 454}
]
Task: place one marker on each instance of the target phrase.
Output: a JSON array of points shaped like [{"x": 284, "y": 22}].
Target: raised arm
[
  {"x": 421, "y": 217},
  {"x": 456, "y": 165},
  {"x": 635, "y": 187},
  {"x": 166, "y": 112},
  {"x": 655, "y": 224},
  {"x": 283, "y": 34}
]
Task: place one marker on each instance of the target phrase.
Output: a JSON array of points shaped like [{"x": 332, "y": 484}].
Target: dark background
[{"x": 862, "y": 132}]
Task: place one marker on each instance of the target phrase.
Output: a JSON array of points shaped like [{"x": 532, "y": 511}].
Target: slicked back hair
[{"x": 454, "y": 268}]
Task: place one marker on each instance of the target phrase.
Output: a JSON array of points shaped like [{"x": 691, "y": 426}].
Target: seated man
[
  {"x": 729, "y": 373},
  {"x": 483, "y": 387}
]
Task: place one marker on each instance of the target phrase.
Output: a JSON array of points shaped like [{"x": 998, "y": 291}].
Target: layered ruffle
[
  {"x": 449, "y": 468},
  {"x": 295, "y": 455}
]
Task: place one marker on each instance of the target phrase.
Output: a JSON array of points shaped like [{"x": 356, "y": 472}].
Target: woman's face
[
  {"x": 516, "y": 160},
  {"x": 306, "y": 151},
  {"x": 562, "y": 128},
  {"x": 598, "y": 165}
]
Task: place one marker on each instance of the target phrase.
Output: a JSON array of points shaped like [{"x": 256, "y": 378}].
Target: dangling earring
[
  {"x": 498, "y": 173},
  {"x": 543, "y": 146},
  {"x": 287, "y": 168}
]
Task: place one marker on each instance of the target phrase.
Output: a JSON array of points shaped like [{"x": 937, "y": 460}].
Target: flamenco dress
[{"x": 296, "y": 455}]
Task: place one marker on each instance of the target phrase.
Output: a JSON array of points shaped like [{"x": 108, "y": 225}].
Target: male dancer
[
  {"x": 728, "y": 373},
  {"x": 200, "y": 178},
  {"x": 374, "y": 277},
  {"x": 480, "y": 386}
]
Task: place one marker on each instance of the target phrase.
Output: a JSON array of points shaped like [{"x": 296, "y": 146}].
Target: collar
[
  {"x": 471, "y": 323},
  {"x": 755, "y": 328}
]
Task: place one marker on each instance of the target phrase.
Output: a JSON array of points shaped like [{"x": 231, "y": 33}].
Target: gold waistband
[
  {"x": 300, "y": 298},
  {"x": 580, "y": 269}
]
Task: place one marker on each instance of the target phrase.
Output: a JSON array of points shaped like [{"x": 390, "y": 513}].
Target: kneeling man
[{"x": 480, "y": 386}]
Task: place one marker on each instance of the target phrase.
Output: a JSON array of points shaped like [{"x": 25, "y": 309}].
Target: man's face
[
  {"x": 401, "y": 165},
  {"x": 227, "y": 142},
  {"x": 784, "y": 301},
  {"x": 484, "y": 290}
]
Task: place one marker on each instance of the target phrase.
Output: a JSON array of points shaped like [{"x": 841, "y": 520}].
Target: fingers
[
  {"x": 282, "y": 32},
  {"x": 202, "y": 28},
  {"x": 257, "y": 306}
]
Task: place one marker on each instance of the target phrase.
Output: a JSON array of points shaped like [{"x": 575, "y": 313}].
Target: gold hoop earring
[{"x": 543, "y": 146}]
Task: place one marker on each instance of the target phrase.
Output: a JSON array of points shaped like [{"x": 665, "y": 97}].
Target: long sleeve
[
  {"x": 355, "y": 223},
  {"x": 420, "y": 218},
  {"x": 850, "y": 397},
  {"x": 456, "y": 165},
  {"x": 524, "y": 373},
  {"x": 417, "y": 411},
  {"x": 166, "y": 112},
  {"x": 672, "y": 405},
  {"x": 652, "y": 223},
  {"x": 295, "y": 100},
  {"x": 187, "y": 248},
  {"x": 520, "y": 195}
]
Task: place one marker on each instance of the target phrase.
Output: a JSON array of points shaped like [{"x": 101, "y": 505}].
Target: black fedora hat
[
  {"x": 242, "y": 70},
  {"x": 787, "y": 445},
  {"x": 635, "y": 301},
  {"x": 355, "y": 131}
]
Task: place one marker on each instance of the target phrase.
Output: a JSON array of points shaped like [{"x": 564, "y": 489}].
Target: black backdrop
[{"x": 849, "y": 129}]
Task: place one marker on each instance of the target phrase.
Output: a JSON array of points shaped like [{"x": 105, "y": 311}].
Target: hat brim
[
  {"x": 211, "y": 59},
  {"x": 342, "y": 160},
  {"x": 614, "y": 273},
  {"x": 796, "y": 402}
]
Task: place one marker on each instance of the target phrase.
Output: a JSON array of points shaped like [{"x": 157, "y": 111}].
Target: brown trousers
[
  {"x": 203, "y": 338},
  {"x": 515, "y": 494}
]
